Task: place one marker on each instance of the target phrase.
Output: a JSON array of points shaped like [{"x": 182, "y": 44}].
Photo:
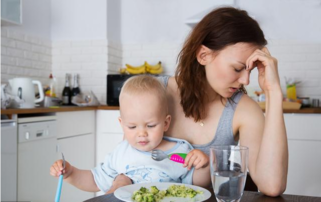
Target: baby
[{"x": 144, "y": 119}]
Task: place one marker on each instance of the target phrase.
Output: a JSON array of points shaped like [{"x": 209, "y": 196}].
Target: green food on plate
[{"x": 155, "y": 195}]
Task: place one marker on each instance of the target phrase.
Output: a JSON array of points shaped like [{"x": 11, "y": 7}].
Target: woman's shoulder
[
  {"x": 248, "y": 109},
  {"x": 172, "y": 87}
]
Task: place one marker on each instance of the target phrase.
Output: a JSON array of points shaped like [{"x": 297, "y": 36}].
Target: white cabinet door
[
  {"x": 109, "y": 133},
  {"x": 106, "y": 142},
  {"x": 304, "y": 139},
  {"x": 304, "y": 168},
  {"x": 79, "y": 151},
  {"x": 75, "y": 123}
]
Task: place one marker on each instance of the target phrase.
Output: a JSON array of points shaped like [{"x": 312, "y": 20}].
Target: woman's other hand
[
  {"x": 57, "y": 169},
  {"x": 196, "y": 158},
  {"x": 267, "y": 68}
]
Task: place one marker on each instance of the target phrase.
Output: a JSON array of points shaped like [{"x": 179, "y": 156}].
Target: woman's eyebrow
[{"x": 241, "y": 63}]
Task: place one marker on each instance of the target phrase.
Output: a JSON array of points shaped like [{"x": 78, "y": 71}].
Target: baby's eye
[
  {"x": 151, "y": 126},
  {"x": 131, "y": 127}
]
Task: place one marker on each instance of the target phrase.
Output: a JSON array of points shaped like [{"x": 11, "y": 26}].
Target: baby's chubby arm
[
  {"x": 198, "y": 159},
  {"x": 82, "y": 179}
]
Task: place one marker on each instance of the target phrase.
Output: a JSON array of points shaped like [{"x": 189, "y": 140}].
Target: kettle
[{"x": 24, "y": 89}]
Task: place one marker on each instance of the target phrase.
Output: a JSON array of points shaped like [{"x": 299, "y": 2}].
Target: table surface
[{"x": 247, "y": 197}]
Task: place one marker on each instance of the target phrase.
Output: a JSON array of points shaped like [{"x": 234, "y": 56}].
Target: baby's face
[{"x": 143, "y": 120}]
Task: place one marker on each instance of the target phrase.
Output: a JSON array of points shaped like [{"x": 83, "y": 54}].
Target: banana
[
  {"x": 154, "y": 69},
  {"x": 122, "y": 70},
  {"x": 136, "y": 70}
]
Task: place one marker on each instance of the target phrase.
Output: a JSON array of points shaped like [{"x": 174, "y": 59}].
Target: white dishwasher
[{"x": 36, "y": 153}]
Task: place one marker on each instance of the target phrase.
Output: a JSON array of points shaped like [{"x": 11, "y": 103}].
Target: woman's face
[{"x": 225, "y": 71}]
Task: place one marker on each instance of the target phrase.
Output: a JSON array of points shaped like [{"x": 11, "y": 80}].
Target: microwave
[{"x": 114, "y": 84}]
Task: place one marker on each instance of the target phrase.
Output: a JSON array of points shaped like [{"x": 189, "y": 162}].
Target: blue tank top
[{"x": 224, "y": 133}]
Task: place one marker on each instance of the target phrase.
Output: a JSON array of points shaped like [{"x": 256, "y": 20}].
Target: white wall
[
  {"x": 292, "y": 28},
  {"x": 290, "y": 20},
  {"x": 23, "y": 55},
  {"x": 145, "y": 21},
  {"x": 114, "y": 21},
  {"x": 78, "y": 20},
  {"x": 36, "y": 16},
  {"x": 135, "y": 31}
]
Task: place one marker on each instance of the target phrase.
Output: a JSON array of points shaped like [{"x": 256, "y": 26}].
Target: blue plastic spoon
[{"x": 61, "y": 177}]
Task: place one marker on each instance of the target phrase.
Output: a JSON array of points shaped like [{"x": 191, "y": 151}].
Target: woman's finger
[
  {"x": 254, "y": 59},
  {"x": 250, "y": 65},
  {"x": 266, "y": 50}
]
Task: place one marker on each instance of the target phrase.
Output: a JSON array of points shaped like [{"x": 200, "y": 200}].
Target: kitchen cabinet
[
  {"x": 109, "y": 134},
  {"x": 304, "y": 140},
  {"x": 11, "y": 12},
  {"x": 76, "y": 140}
]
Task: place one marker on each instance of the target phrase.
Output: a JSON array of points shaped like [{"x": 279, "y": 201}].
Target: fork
[
  {"x": 159, "y": 155},
  {"x": 61, "y": 177}
]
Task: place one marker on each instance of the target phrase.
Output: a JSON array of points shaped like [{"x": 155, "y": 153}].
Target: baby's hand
[
  {"x": 57, "y": 169},
  {"x": 196, "y": 158}
]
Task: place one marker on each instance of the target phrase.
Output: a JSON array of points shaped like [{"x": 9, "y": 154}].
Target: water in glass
[{"x": 228, "y": 172}]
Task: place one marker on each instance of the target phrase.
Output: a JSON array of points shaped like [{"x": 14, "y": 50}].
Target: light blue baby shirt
[{"x": 140, "y": 167}]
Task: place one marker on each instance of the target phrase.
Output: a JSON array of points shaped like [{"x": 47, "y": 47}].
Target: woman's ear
[
  {"x": 167, "y": 122},
  {"x": 202, "y": 55}
]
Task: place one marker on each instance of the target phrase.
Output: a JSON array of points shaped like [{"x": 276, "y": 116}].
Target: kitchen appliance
[
  {"x": 37, "y": 150},
  {"x": 24, "y": 89},
  {"x": 114, "y": 84},
  {"x": 8, "y": 158}
]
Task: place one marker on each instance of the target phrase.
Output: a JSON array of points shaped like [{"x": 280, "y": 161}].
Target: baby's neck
[{"x": 165, "y": 145}]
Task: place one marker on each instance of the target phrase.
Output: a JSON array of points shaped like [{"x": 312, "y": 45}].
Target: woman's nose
[{"x": 245, "y": 78}]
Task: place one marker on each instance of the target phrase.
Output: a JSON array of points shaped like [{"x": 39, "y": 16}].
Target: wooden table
[{"x": 247, "y": 197}]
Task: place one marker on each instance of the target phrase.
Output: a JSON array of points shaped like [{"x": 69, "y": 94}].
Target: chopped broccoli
[
  {"x": 154, "y": 190},
  {"x": 155, "y": 195}
]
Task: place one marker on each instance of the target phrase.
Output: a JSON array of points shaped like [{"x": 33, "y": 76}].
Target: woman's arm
[
  {"x": 266, "y": 138},
  {"x": 268, "y": 153}
]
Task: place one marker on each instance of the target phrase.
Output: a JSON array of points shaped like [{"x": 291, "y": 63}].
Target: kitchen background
[{"x": 94, "y": 38}]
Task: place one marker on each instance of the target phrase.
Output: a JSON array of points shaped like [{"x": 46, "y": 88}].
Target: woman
[{"x": 207, "y": 100}]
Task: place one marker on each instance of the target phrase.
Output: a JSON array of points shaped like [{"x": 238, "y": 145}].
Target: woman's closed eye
[{"x": 238, "y": 69}]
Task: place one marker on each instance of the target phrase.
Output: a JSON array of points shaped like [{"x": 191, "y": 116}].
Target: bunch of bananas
[{"x": 142, "y": 69}]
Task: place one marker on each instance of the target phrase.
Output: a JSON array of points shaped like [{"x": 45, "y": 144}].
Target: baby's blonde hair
[{"x": 141, "y": 84}]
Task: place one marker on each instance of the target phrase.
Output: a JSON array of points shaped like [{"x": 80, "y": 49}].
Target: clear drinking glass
[{"x": 228, "y": 171}]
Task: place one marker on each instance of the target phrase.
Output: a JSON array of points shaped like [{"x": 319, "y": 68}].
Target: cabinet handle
[
  {"x": 27, "y": 135},
  {"x": 57, "y": 148}
]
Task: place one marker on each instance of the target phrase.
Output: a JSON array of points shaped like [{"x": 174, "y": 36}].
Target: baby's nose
[{"x": 142, "y": 133}]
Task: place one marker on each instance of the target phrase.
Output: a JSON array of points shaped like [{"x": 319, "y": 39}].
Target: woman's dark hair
[{"x": 220, "y": 28}]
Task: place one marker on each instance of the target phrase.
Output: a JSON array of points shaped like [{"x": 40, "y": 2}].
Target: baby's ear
[
  {"x": 119, "y": 119},
  {"x": 167, "y": 122}
]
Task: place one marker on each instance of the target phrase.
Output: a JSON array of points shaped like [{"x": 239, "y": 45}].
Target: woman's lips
[{"x": 233, "y": 90}]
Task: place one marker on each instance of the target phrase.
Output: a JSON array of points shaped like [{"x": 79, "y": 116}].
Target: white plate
[{"x": 125, "y": 193}]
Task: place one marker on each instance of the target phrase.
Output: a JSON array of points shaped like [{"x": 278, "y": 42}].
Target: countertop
[{"x": 106, "y": 107}]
